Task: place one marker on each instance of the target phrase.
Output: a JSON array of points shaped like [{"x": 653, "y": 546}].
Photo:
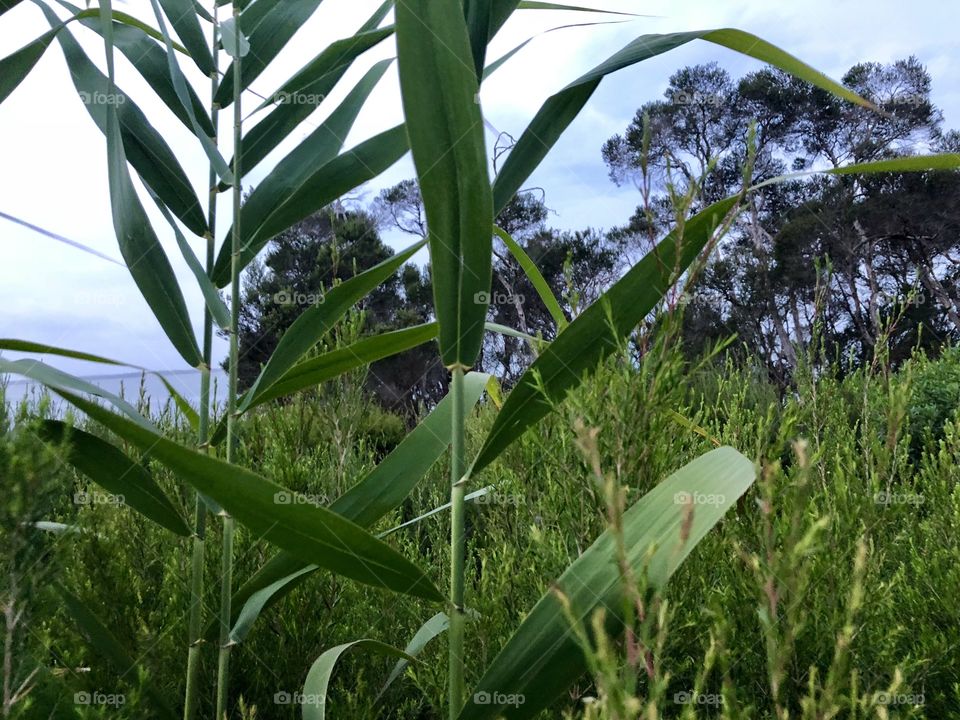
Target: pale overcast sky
[{"x": 53, "y": 164}]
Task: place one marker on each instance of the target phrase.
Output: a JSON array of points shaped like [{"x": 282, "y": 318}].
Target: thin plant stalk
[
  {"x": 203, "y": 435},
  {"x": 458, "y": 548},
  {"x": 226, "y": 583}
]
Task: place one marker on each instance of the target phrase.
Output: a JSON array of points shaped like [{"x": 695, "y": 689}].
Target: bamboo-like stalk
[
  {"x": 191, "y": 693},
  {"x": 458, "y": 547},
  {"x": 226, "y": 582}
]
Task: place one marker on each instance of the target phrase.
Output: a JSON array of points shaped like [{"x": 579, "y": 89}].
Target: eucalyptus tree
[{"x": 442, "y": 60}]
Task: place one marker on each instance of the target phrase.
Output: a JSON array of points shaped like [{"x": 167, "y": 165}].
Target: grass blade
[
  {"x": 315, "y": 371},
  {"x": 535, "y": 276},
  {"x": 112, "y": 470},
  {"x": 328, "y": 183},
  {"x": 314, "y": 534},
  {"x": 594, "y": 334},
  {"x": 108, "y": 647},
  {"x": 543, "y": 658},
  {"x": 318, "y": 679},
  {"x": 143, "y": 146},
  {"x": 559, "y": 110},
  {"x": 445, "y": 127},
  {"x": 315, "y": 322},
  {"x": 383, "y": 489},
  {"x": 433, "y": 627},
  {"x": 268, "y": 26},
  {"x": 183, "y": 17}
]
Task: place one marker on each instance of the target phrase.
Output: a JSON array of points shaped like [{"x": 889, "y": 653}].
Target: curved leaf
[
  {"x": 183, "y": 17},
  {"x": 559, "y": 110},
  {"x": 440, "y": 101},
  {"x": 268, "y": 26},
  {"x": 536, "y": 278},
  {"x": 151, "y": 62},
  {"x": 109, "y": 648},
  {"x": 317, "y": 150},
  {"x": 318, "y": 679},
  {"x": 315, "y": 322},
  {"x": 594, "y": 334},
  {"x": 328, "y": 183},
  {"x": 433, "y": 627},
  {"x": 59, "y": 380},
  {"x": 257, "y": 601},
  {"x": 312, "y": 533},
  {"x": 383, "y": 489},
  {"x": 543, "y": 658},
  {"x": 143, "y": 146},
  {"x": 314, "y": 371},
  {"x": 112, "y": 470}
]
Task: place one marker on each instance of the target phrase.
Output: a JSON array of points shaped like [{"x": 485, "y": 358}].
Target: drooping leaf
[
  {"x": 556, "y": 114},
  {"x": 151, "y": 62},
  {"x": 594, "y": 334},
  {"x": 328, "y": 183},
  {"x": 315, "y": 322},
  {"x": 383, "y": 489},
  {"x": 110, "y": 649},
  {"x": 143, "y": 146},
  {"x": 314, "y": 371},
  {"x": 183, "y": 17},
  {"x": 268, "y": 26},
  {"x": 182, "y": 89},
  {"x": 318, "y": 679},
  {"x": 535, "y": 277},
  {"x": 59, "y": 380},
  {"x": 907, "y": 163},
  {"x": 316, "y": 151},
  {"x": 532, "y": 5},
  {"x": 257, "y": 601},
  {"x": 314, "y": 81},
  {"x": 445, "y": 126},
  {"x": 543, "y": 658},
  {"x": 112, "y": 470},
  {"x": 234, "y": 44},
  {"x": 433, "y": 627},
  {"x": 16, "y": 66},
  {"x": 312, "y": 533}
]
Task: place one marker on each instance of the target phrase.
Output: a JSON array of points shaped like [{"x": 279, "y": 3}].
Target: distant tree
[
  {"x": 303, "y": 263},
  {"x": 869, "y": 243}
]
